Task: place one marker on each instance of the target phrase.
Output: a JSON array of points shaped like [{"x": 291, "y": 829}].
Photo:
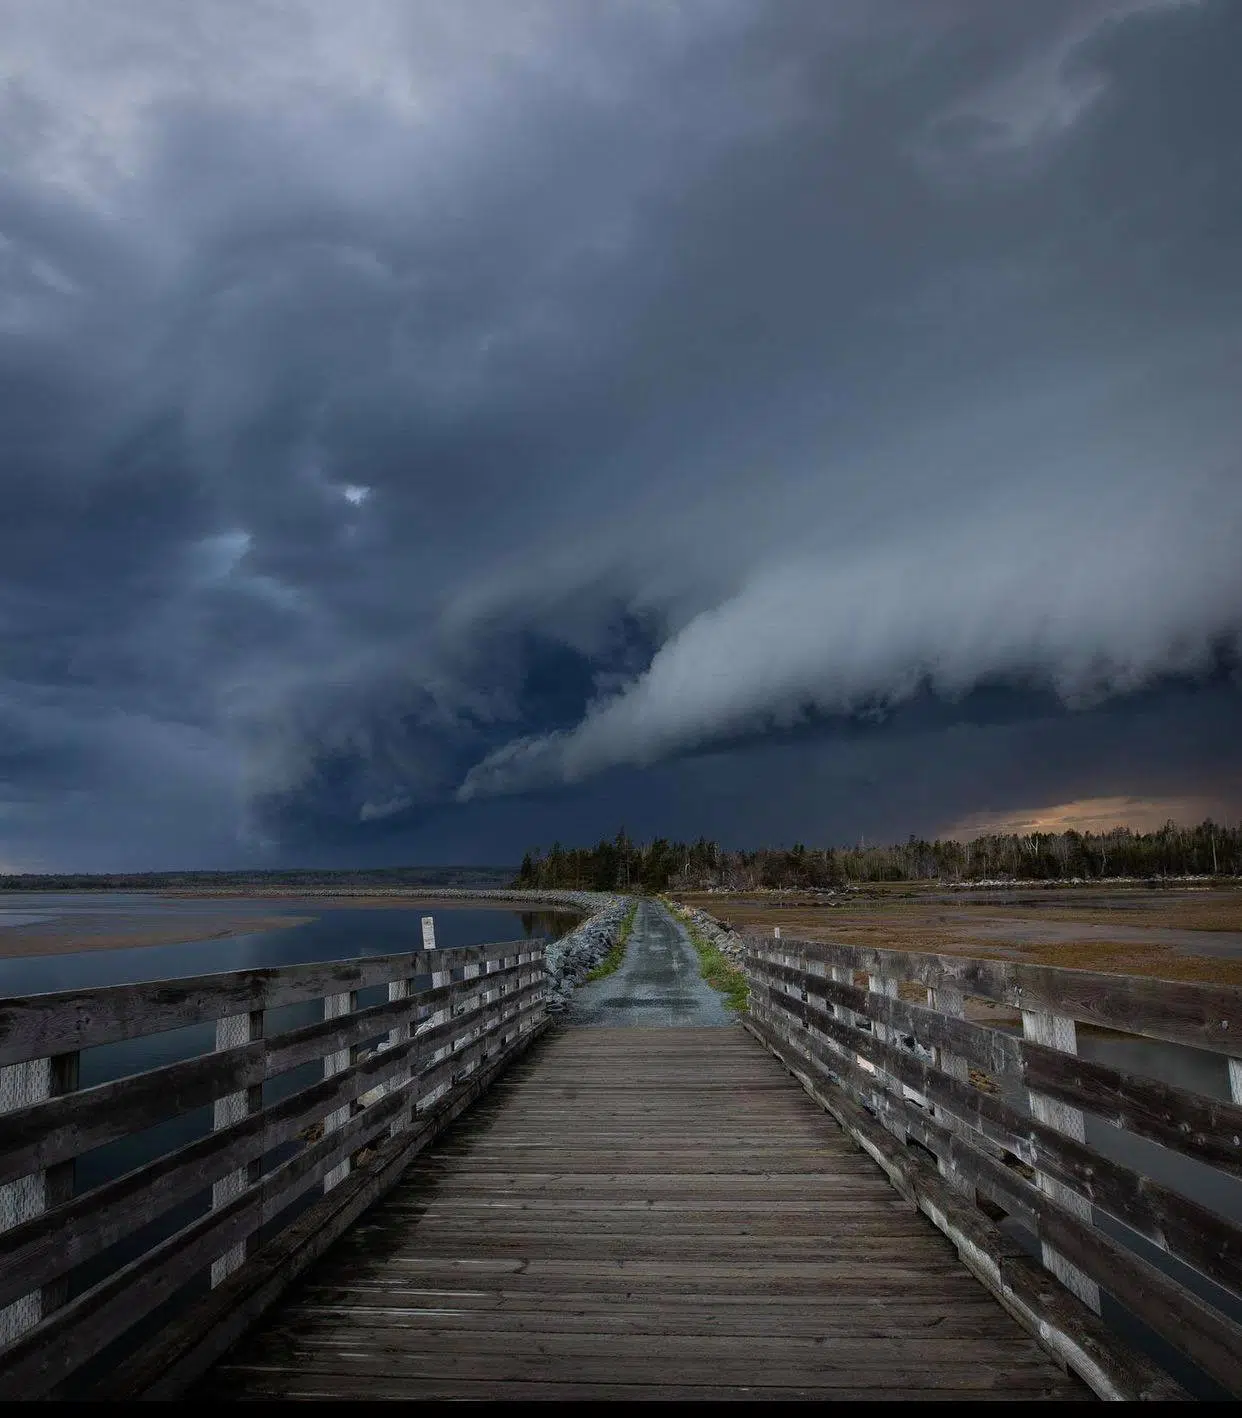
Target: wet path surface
[{"x": 658, "y": 986}]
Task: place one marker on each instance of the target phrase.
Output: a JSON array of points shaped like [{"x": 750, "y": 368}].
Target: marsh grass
[
  {"x": 719, "y": 972},
  {"x": 616, "y": 954},
  {"x": 945, "y": 928}
]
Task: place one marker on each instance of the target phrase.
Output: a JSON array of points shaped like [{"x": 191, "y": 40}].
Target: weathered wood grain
[
  {"x": 1208, "y": 1337},
  {"x": 1063, "y": 1322},
  {"x": 1203, "y": 1016},
  {"x": 47, "y": 1355},
  {"x": 41, "y": 1138},
  {"x": 54, "y": 1241},
  {"x": 36, "y": 1026},
  {"x": 166, "y": 1366},
  {"x": 1208, "y": 1129},
  {"x": 654, "y": 1208},
  {"x": 1192, "y": 1232}
]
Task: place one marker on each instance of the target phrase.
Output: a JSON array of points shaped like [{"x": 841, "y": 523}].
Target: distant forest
[{"x": 624, "y": 865}]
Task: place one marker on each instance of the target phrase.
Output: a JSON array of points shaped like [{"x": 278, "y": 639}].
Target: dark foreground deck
[{"x": 641, "y": 1213}]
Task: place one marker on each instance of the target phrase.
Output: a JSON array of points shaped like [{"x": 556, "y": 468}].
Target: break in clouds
[{"x": 414, "y": 410}]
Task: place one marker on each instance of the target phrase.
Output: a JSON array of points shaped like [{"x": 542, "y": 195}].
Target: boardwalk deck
[{"x": 641, "y": 1213}]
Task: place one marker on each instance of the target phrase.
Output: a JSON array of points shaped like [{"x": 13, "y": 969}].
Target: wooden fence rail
[
  {"x": 881, "y": 1037},
  {"x": 391, "y": 1074}
]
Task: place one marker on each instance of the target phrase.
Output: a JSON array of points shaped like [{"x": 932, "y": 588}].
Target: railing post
[
  {"x": 839, "y": 1012},
  {"x": 820, "y": 971},
  {"x": 882, "y": 985},
  {"x": 397, "y": 1035},
  {"x": 1057, "y": 1031},
  {"x": 471, "y": 972},
  {"x": 534, "y": 958},
  {"x": 952, "y": 1003},
  {"x": 437, "y": 1016},
  {"x": 22, "y": 1084},
  {"x": 232, "y": 1031},
  {"x": 335, "y": 1007}
]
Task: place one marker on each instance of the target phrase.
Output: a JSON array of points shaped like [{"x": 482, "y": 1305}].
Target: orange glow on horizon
[{"x": 1089, "y": 815}]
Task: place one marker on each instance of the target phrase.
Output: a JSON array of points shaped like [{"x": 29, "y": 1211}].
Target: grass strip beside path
[
  {"x": 616, "y": 952},
  {"x": 715, "y": 967}
]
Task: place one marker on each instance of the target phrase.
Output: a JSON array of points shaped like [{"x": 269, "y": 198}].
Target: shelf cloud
[{"x": 428, "y": 427}]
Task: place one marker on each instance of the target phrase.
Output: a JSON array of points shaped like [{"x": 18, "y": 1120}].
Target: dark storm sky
[{"x": 428, "y": 429}]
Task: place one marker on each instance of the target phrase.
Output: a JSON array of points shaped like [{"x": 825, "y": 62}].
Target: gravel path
[{"x": 658, "y": 985}]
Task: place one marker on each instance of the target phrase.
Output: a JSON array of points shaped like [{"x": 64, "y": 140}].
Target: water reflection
[{"x": 334, "y": 934}]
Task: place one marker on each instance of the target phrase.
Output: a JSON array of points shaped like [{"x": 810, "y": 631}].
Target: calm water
[{"x": 334, "y": 933}]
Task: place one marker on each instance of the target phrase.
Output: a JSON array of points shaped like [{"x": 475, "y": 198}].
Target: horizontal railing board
[
  {"x": 59, "y": 1128},
  {"x": 1206, "y": 1336},
  {"x": 1207, "y": 1129},
  {"x": 53, "y": 1242},
  {"x": 54, "y": 1348},
  {"x": 164, "y": 1367},
  {"x": 1061, "y": 1322},
  {"x": 312, "y": 1041},
  {"x": 39, "y": 1026},
  {"x": 45, "y": 1355},
  {"x": 435, "y": 1073},
  {"x": 1193, "y": 1233},
  {"x": 1202, "y": 1016}
]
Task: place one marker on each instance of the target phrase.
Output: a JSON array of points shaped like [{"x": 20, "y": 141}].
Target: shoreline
[{"x": 86, "y": 932}]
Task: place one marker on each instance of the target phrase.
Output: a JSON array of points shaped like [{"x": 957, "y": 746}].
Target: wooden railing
[
  {"x": 975, "y": 1123},
  {"x": 218, "y": 1225}
]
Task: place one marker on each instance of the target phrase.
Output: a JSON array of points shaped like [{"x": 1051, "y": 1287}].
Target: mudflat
[
  {"x": 61, "y": 926},
  {"x": 36, "y": 923},
  {"x": 1175, "y": 933}
]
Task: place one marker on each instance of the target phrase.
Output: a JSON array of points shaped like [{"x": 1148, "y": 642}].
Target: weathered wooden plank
[
  {"x": 280, "y": 1383},
  {"x": 164, "y": 1367},
  {"x": 520, "y": 1364},
  {"x": 1208, "y": 1129},
  {"x": 56, "y": 1129},
  {"x": 36, "y": 1026},
  {"x": 1063, "y": 1323},
  {"x": 1203, "y": 1016},
  {"x": 334, "y": 1007},
  {"x": 231, "y": 1031},
  {"x": 1057, "y": 1031},
  {"x": 849, "y": 1320},
  {"x": 1187, "y": 1230},
  {"x": 706, "y": 1234},
  {"x": 47, "y": 1354},
  {"x": 49, "y": 1244},
  {"x": 1207, "y": 1337},
  {"x": 24, "y": 1195},
  {"x": 402, "y": 1030}
]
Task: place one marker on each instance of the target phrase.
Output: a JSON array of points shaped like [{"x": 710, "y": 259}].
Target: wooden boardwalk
[{"x": 641, "y": 1213}]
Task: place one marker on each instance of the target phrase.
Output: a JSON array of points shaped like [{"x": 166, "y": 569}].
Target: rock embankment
[
  {"x": 572, "y": 958},
  {"x": 726, "y": 940}
]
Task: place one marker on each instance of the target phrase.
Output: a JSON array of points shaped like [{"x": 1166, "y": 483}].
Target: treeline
[{"x": 624, "y": 865}]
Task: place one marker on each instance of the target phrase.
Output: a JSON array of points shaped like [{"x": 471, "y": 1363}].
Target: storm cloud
[{"x": 432, "y": 428}]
